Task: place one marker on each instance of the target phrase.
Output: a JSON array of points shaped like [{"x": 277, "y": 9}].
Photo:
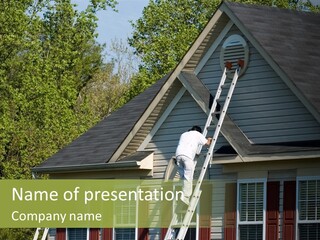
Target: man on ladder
[
  {"x": 185, "y": 153},
  {"x": 184, "y": 225}
]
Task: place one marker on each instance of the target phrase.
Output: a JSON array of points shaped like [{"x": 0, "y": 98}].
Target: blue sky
[{"x": 112, "y": 24}]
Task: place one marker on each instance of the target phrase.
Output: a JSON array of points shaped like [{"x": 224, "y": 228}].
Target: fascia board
[
  {"x": 142, "y": 164},
  {"x": 267, "y": 157}
]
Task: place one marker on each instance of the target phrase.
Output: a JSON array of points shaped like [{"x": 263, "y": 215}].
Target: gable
[{"x": 263, "y": 106}]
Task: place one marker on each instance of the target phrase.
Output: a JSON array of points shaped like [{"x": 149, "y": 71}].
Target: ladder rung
[
  {"x": 226, "y": 84},
  {"x": 216, "y": 112}
]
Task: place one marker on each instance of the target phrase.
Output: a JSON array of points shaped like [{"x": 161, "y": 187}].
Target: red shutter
[
  {"x": 94, "y": 233},
  {"x": 205, "y": 233},
  {"x": 289, "y": 207},
  {"x": 230, "y": 216},
  {"x": 273, "y": 193},
  {"x": 107, "y": 234},
  {"x": 163, "y": 233},
  {"x": 205, "y": 212},
  {"x": 143, "y": 233},
  {"x": 60, "y": 234}
]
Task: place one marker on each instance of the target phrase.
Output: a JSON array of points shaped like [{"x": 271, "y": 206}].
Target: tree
[
  {"x": 104, "y": 92},
  {"x": 48, "y": 53}
]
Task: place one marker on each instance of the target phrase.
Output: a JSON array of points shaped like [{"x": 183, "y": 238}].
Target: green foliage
[
  {"x": 16, "y": 233},
  {"x": 48, "y": 54}
]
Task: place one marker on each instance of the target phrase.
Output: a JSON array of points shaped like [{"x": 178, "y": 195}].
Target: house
[{"x": 265, "y": 171}]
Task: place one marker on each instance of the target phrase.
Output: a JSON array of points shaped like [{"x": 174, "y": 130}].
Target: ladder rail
[
  {"x": 190, "y": 212},
  {"x": 44, "y": 235},
  {"x": 36, "y": 235},
  {"x": 214, "y": 105},
  {"x": 195, "y": 198}
]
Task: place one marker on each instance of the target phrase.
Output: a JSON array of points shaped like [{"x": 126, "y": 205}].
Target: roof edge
[{"x": 121, "y": 165}]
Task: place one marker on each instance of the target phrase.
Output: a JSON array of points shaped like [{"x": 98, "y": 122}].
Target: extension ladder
[
  {"x": 44, "y": 235},
  {"x": 184, "y": 225}
]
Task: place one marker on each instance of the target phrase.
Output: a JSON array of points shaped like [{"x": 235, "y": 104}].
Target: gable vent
[{"x": 233, "y": 49}]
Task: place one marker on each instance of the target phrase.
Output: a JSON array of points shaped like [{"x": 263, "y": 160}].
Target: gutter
[{"x": 88, "y": 167}]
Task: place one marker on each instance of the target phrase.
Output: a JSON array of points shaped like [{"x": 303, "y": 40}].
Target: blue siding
[{"x": 262, "y": 105}]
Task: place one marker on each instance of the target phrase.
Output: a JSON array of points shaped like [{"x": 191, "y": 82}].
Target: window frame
[
  {"x": 131, "y": 225},
  {"x": 298, "y": 221},
  {"x": 263, "y": 222}
]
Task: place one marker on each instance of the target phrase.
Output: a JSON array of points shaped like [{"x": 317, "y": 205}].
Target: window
[
  {"x": 251, "y": 210},
  {"x": 126, "y": 220},
  {"x": 77, "y": 233},
  {"x": 308, "y": 209}
]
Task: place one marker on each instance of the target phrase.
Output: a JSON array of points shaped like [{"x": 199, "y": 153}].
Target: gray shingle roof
[
  {"x": 99, "y": 143},
  {"x": 292, "y": 40}
]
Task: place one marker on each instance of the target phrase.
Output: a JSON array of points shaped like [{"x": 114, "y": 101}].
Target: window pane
[
  {"x": 311, "y": 210},
  {"x": 251, "y": 192},
  {"x": 303, "y": 210},
  {"x": 259, "y": 212},
  {"x": 303, "y": 190},
  {"x": 250, "y": 232},
  {"x": 311, "y": 192},
  {"x": 243, "y": 211},
  {"x": 243, "y": 192},
  {"x": 309, "y": 231}
]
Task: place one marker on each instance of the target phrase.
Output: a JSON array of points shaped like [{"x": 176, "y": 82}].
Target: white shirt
[{"x": 189, "y": 142}]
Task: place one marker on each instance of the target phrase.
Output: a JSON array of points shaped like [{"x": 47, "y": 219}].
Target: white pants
[{"x": 186, "y": 169}]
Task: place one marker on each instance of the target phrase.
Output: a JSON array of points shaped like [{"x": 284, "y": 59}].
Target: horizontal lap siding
[
  {"x": 262, "y": 105},
  {"x": 267, "y": 111}
]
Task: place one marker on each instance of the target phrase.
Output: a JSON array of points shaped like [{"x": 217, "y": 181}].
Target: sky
[{"x": 112, "y": 24}]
